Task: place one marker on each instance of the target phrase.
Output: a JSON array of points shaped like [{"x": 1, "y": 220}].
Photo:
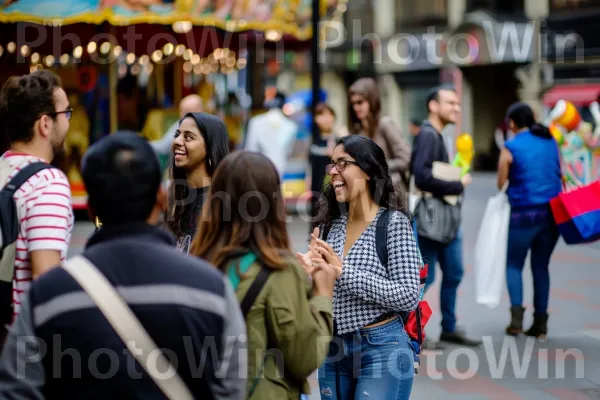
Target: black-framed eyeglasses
[
  {"x": 340, "y": 165},
  {"x": 68, "y": 113}
]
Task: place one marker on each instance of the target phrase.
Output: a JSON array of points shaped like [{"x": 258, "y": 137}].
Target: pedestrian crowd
[{"x": 192, "y": 290}]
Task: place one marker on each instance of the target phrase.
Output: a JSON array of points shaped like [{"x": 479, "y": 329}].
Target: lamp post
[{"x": 316, "y": 86}]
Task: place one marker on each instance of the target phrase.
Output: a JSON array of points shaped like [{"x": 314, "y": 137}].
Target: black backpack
[{"x": 9, "y": 231}]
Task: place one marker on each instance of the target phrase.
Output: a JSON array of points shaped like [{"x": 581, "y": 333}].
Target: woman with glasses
[
  {"x": 368, "y": 295},
  {"x": 366, "y": 120}
]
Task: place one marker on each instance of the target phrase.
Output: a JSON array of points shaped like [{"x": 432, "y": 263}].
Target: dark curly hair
[
  {"x": 371, "y": 159},
  {"x": 23, "y": 100}
]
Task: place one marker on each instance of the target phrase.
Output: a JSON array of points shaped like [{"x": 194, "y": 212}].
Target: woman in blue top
[{"x": 531, "y": 164}]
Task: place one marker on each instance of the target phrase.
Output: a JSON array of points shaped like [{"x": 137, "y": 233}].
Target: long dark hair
[
  {"x": 522, "y": 115},
  {"x": 244, "y": 211},
  {"x": 371, "y": 159},
  {"x": 216, "y": 140}
]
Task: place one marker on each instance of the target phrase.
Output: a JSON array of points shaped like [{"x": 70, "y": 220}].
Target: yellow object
[
  {"x": 158, "y": 123},
  {"x": 464, "y": 152},
  {"x": 565, "y": 114},
  {"x": 293, "y": 188},
  {"x": 234, "y": 128},
  {"x": 557, "y": 133}
]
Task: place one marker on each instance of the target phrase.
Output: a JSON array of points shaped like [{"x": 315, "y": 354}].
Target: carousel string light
[{"x": 222, "y": 60}]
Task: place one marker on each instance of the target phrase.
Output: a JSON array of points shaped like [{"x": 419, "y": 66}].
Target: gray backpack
[{"x": 9, "y": 230}]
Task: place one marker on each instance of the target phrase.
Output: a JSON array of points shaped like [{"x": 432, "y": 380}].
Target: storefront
[
  {"x": 413, "y": 62},
  {"x": 493, "y": 57}
]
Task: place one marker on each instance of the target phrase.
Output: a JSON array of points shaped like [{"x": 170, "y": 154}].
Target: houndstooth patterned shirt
[{"x": 367, "y": 290}]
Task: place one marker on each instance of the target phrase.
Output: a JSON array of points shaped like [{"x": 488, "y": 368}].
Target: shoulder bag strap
[
  {"x": 246, "y": 305},
  {"x": 127, "y": 326},
  {"x": 255, "y": 289}
]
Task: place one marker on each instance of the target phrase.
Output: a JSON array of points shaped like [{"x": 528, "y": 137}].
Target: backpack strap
[
  {"x": 24, "y": 174},
  {"x": 255, "y": 290},
  {"x": 381, "y": 236}
]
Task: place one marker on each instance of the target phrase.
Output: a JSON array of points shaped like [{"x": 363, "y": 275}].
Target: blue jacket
[
  {"x": 185, "y": 304},
  {"x": 535, "y": 175}
]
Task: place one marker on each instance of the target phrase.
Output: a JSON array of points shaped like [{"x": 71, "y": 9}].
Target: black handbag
[{"x": 438, "y": 220}]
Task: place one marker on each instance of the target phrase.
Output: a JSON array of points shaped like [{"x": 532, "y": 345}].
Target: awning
[{"x": 579, "y": 94}]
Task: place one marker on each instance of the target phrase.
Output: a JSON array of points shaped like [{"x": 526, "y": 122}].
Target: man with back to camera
[
  {"x": 35, "y": 113},
  {"x": 443, "y": 106},
  {"x": 186, "y": 305}
]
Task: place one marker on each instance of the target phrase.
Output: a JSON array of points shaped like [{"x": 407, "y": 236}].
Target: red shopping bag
[{"x": 577, "y": 214}]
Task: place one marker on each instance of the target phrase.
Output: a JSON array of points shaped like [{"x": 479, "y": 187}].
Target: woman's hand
[
  {"x": 328, "y": 255},
  {"x": 305, "y": 259},
  {"x": 324, "y": 277}
]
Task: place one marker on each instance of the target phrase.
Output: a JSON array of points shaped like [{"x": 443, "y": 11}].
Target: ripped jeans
[{"x": 372, "y": 363}]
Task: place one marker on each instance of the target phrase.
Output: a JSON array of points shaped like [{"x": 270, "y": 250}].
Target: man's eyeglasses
[
  {"x": 68, "y": 113},
  {"x": 340, "y": 165}
]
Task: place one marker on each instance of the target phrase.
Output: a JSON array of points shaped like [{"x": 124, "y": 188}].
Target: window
[
  {"x": 497, "y": 6},
  {"x": 567, "y": 5},
  {"x": 421, "y": 13},
  {"x": 359, "y": 16}
]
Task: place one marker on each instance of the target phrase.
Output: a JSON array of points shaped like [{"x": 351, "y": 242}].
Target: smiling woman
[
  {"x": 369, "y": 297},
  {"x": 199, "y": 145}
]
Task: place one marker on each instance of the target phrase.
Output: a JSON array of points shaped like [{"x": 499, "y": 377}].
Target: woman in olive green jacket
[{"x": 242, "y": 230}]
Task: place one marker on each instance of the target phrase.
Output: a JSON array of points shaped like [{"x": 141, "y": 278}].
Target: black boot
[
  {"x": 539, "y": 329},
  {"x": 516, "y": 321}
]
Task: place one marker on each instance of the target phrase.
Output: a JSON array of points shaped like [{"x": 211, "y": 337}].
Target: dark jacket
[
  {"x": 185, "y": 304},
  {"x": 427, "y": 148}
]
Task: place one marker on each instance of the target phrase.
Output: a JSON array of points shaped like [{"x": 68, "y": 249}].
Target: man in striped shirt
[{"x": 36, "y": 112}]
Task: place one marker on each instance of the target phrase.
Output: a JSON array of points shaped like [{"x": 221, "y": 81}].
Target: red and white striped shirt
[{"x": 46, "y": 218}]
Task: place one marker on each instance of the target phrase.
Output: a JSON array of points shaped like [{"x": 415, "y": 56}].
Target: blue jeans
[
  {"x": 451, "y": 263},
  {"x": 372, "y": 363},
  {"x": 534, "y": 230}
]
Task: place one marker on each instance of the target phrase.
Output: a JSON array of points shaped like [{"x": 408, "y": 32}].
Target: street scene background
[{"x": 574, "y": 325}]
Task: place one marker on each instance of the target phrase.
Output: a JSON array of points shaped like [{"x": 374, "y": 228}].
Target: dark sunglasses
[
  {"x": 68, "y": 113},
  {"x": 340, "y": 165}
]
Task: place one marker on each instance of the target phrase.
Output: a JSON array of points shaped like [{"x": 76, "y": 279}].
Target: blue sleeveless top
[{"x": 535, "y": 175}]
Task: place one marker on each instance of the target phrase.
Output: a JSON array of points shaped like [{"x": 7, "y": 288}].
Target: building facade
[
  {"x": 495, "y": 52},
  {"x": 486, "y": 48}
]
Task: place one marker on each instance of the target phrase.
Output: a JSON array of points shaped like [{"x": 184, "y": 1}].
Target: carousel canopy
[{"x": 276, "y": 19}]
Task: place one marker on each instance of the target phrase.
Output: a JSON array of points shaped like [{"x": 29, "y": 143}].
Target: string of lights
[{"x": 220, "y": 60}]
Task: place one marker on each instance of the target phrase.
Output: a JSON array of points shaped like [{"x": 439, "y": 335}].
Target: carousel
[{"x": 126, "y": 64}]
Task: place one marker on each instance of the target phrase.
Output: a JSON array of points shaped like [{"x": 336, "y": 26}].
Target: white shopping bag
[{"x": 490, "y": 251}]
